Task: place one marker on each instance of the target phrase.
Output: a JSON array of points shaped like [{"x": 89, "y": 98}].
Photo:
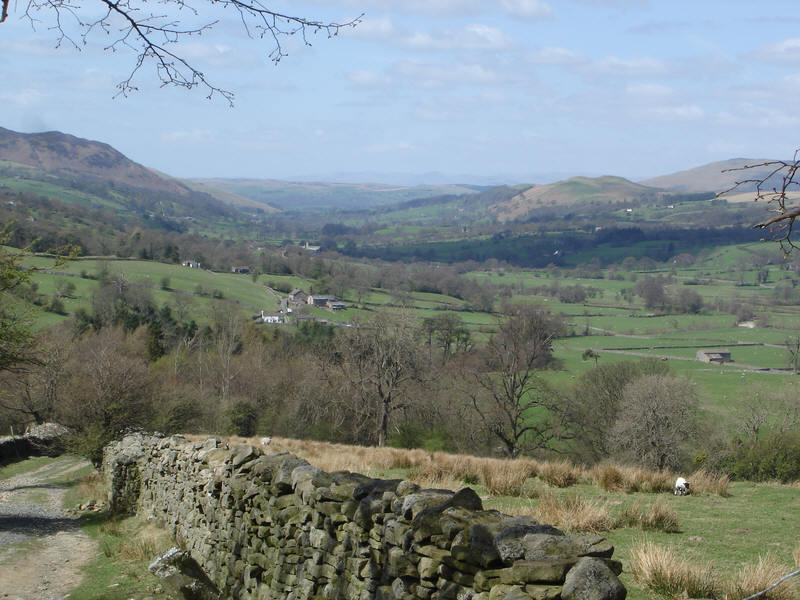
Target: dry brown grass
[
  {"x": 431, "y": 474},
  {"x": 145, "y": 545},
  {"x": 561, "y": 473},
  {"x": 499, "y": 476},
  {"x": 754, "y": 578},
  {"x": 709, "y": 483},
  {"x": 572, "y": 513},
  {"x": 657, "y": 517},
  {"x": 608, "y": 477},
  {"x": 796, "y": 556},
  {"x": 91, "y": 487},
  {"x": 665, "y": 571},
  {"x": 505, "y": 479}
]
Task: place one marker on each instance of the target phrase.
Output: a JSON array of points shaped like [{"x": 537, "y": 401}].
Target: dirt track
[{"x": 42, "y": 548}]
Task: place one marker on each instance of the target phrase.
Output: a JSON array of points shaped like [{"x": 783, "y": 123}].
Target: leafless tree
[
  {"x": 767, "y": 409},
  {"x": 108, "y": 388},
  {"x": 33, "y": 394},
  {"x": 514, "y": 404},
  {"x": 792, "y": 344},
  {"x": 378, "y": 360},
  {"x": 776, "y": 189},
  {"x": 656, "y": 420},
  {"x": 154, "y": 29}
]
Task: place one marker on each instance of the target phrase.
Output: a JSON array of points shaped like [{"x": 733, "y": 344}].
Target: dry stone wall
[
  {"x": 46, "y": 439},
  {"x": 272, "y": 526}
]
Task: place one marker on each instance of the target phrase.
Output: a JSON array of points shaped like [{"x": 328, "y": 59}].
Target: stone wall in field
[
  {"x": 46, "y": 439},
  {"x": 273, "y": 526}
]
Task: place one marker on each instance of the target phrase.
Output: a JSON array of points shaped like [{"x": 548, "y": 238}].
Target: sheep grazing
[
  {"x": 681, "y": 487},
  {"x": 265, "y": 441}
]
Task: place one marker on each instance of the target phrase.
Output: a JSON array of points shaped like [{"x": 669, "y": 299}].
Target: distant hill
[
  {"x": 712, "y": 177},
  {"x": 288, "y": 195},
  {"x": 76, "y": 170},
  {"x": 606, "y": 189},
  {"x": 63, "y": 154}
]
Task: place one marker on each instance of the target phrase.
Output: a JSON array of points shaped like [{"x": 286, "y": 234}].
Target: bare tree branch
[
  {"x": 155, "y": 36},
  {"x": 780, "y": 225}
]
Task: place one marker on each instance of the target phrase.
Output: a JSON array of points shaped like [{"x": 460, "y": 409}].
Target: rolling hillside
[
  {"x": 58, "y": 153},
  {"x": 603, "y": 190},
  {"x": 714, "y": 177},
  {"x": 289, "y": 195},
  {"x": 69, "y": 169}
]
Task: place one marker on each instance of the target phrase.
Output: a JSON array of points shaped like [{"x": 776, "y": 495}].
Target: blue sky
[{"x": 513, "y": 90}]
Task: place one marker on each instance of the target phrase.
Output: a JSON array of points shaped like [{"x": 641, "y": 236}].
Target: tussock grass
[
  {"x": 665, "y": 571},
  {"x": 91, "y": 487},
  {"x": 617, "y": 478},
  {"x": 608, "y": 477},
  {"x": 796, "y": 556},
  {"x": 754, "y": 578},
  {"x": 145, "y": 545},
  {"x": 570, "y": 513},
  {"x": 659, "y": 516},
  {"x": 561, "y": 473},
  {"x": 127, "y": 540},
  {"x": 709, "y": 483},
  {"x": 434, "y": 475},
  {"x": 505, "y": 479}
]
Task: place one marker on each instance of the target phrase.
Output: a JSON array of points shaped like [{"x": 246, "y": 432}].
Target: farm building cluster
[{"x": 298, "y": 298}]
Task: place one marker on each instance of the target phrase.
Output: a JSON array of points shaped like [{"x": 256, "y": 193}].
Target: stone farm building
[
  {"x": 298, "y": 296},
  {"x": 714, "y": 356},
  {"x": 326, "y": 302}
]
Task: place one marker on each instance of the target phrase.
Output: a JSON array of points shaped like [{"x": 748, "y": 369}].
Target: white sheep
[{"x": 681, "y": 487}]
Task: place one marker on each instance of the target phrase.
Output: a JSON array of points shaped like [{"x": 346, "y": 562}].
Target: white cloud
[
  {"x": 630, "y": 67},
  {"x": 430, "y": 75},
  {"x": 374, "y": 28},
  {"x": 785, "y": 51},
  {"x": 219, "y": 55},
  {"x": 684, "y": 112},
  {"x": 557, "y": 55},
  {"x": 527, "y": 9},
  {"x": 650, "y": 90},
  {"x": 194, "y": 136},
  {"x": 369, "y": 79},
  {"x": 23, "y": 98},
  {"x": 471, "y": 37},
  {"x": 425, "y": 7}
]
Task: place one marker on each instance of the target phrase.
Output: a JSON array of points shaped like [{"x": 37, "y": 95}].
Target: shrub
[
  {"x": 243, "y": 417},
  {"x": 775, "y": 457}
]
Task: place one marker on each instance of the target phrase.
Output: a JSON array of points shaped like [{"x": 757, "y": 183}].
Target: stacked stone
[{"x": 273, "y": 526}]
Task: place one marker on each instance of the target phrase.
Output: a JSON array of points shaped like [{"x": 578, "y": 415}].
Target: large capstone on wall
[{"x": 273, "y": 526}]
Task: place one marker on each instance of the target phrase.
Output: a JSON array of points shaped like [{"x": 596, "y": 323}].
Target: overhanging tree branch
[
  {"x": 154, "y": 35},
  {"x": 780, "y": 226}
]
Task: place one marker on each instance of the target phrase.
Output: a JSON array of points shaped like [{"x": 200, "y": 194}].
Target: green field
[{"x": 618, "y": 328}]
